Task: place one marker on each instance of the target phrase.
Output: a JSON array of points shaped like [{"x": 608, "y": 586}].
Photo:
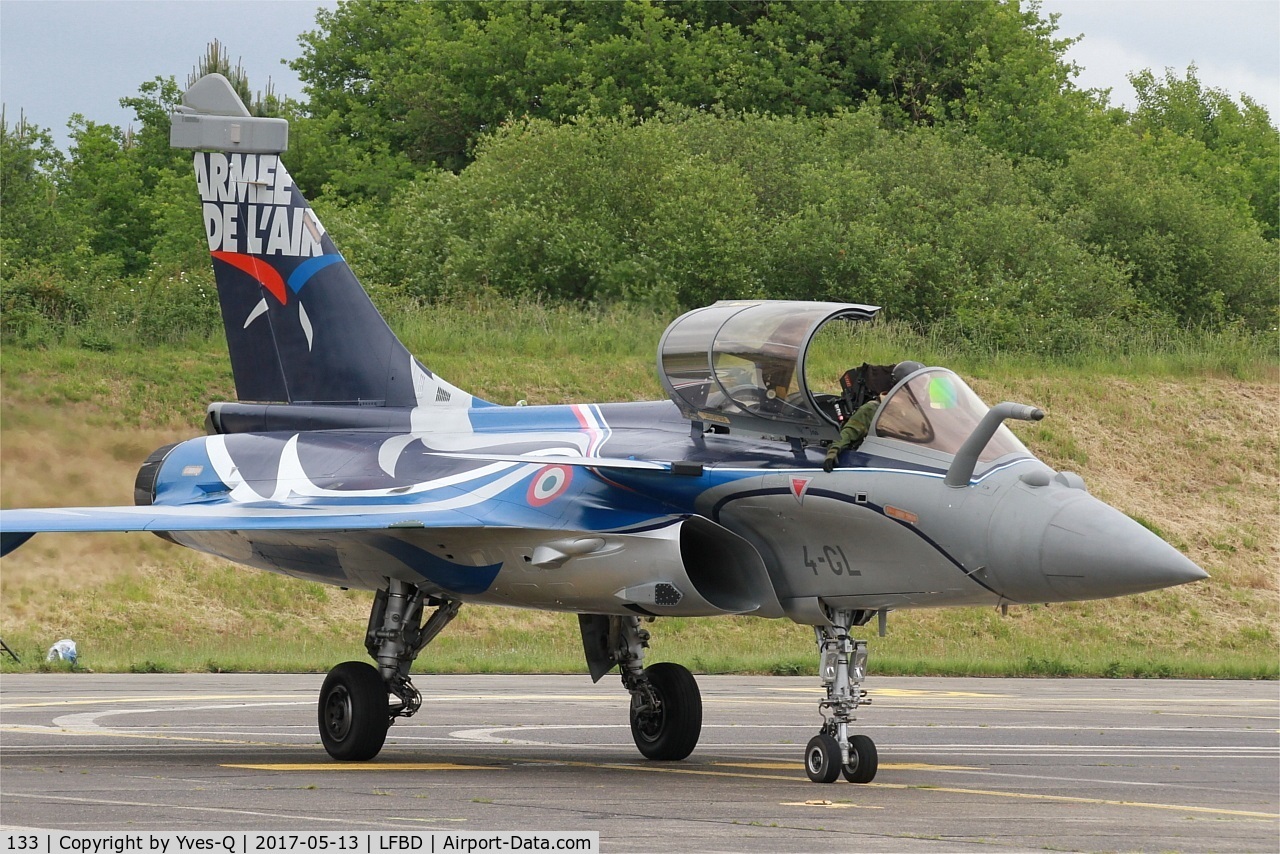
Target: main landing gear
[
  {"x": 842, "y": 667},
  {"x": 359, "y": 702},
  {"x": 666, "y": 706},
  {"x": 355, "y": 710}
]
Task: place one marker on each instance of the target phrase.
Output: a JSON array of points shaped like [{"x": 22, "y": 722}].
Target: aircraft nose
[{"x": 1091, "y": 550}]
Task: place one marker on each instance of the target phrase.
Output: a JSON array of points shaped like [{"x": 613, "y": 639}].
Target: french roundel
[{"x": 548, "y": 484}]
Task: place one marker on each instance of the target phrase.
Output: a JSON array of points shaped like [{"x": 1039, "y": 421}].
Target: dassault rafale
[{"x": 346, "y": 461}]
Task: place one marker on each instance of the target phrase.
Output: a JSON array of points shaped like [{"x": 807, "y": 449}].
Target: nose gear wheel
[
  {"x": 842, "y": 666},
  {"x": 863, "y": 762},
  {"x": 822, "y": 759}
]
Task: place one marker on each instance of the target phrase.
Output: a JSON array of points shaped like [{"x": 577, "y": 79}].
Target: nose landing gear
[{"x": 842, "y": 667}]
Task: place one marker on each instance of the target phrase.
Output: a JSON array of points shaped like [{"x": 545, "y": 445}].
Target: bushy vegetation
[{"x": 932, "y": 158}]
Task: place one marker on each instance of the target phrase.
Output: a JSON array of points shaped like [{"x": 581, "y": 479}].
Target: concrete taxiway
[{"x": 965, "y": 764}]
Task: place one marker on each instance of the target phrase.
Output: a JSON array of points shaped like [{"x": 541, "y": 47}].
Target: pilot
[{"x": 855, "y": 429}]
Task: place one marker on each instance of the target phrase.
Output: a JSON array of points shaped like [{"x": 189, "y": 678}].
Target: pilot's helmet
[{"x": 902, "y": 370}]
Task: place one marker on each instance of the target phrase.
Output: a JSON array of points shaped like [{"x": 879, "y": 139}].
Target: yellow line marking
[
  {"x": 367, "y": 766},
  {"x": 764, "y": 766},
  {"x": 920, "y": 692},
  {"x": 1074, "y": 800},
  {"x": 955, "y": 791}
]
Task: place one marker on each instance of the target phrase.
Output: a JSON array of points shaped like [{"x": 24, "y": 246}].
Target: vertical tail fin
[{"x": 300, "y": 328}]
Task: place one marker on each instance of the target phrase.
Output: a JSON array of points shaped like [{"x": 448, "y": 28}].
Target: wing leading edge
[{"x": 18, "y": 526}]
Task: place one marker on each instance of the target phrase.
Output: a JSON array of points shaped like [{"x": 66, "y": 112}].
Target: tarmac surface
[{"x": 965, "y": 764}]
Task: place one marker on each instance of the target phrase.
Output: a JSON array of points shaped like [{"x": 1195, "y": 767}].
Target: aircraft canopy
[{"x": 741, "y": 365}]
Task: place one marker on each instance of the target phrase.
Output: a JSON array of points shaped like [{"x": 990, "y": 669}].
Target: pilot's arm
[{"x": 853, "y": 432}]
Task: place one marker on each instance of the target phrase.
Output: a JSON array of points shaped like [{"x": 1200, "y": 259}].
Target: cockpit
[
  {"x": 743, "y": 367},
  {"x": 934, "y": 409}
]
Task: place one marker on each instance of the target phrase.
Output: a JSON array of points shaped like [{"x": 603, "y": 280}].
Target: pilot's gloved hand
[{"x": 829, "y": 463}]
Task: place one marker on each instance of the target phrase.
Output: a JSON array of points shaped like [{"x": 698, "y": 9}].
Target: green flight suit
[{"x": 853, "y": 432}]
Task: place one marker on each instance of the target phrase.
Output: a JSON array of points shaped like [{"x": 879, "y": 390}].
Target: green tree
[
  {"x": 689, "y": 207},
  {"x": 29, "y": 226},
  {"x": 113, "y": 229},
  {"x": 407, "y": 85},
  {"x": 148, "y": 141},
  {"x": 33, "y": 238},
  {"x": 100, "y": 188},
  {"x": 1190, "y": 253},
  {"x": 1240, "y": 151}
]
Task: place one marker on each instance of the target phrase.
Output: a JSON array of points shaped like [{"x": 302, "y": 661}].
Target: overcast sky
[
  {"x": 1234, "y": 44},
  {"x": 59, "y": 57}
]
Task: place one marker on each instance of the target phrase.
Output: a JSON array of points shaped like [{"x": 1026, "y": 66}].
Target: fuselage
[{"x": 882, "y": 531}]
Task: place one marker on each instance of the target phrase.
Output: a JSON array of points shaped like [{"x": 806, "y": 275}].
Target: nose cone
[{"x": 1091, "y": 550}]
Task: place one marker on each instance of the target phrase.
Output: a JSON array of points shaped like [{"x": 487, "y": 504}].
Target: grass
[
  {"x": 193, "y": 614},
  {"x": 1179, "y": 432}
]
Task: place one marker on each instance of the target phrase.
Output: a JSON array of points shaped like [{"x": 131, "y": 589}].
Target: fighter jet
[{"x": 346, "y": 461}]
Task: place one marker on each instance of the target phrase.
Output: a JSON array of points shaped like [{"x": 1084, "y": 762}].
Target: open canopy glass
[{"x": 740, "y": 365}]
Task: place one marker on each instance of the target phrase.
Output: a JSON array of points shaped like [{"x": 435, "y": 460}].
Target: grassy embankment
[{"x": 1180, "y": 434}]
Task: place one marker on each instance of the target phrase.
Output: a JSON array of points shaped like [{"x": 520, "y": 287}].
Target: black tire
[
  {"x": 353, "y": 712},
  {"x": 822, "y": 758},
  {"x": 863, "y": 760},
  {"x": 671, "y": 733}
]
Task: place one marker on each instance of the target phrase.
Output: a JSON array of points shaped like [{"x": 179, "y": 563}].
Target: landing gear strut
[
  {"x": 666, "y": 706},
  {"x": 355, "y": 711},
  {"x": 842, "y": 667}
]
